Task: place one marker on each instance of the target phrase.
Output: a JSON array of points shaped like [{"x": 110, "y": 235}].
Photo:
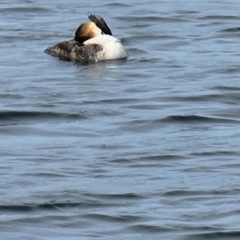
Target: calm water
[{"x": 146, "y": 148}]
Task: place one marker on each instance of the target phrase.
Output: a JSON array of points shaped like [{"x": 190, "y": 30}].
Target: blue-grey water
[{"x": 147, "y": 148}]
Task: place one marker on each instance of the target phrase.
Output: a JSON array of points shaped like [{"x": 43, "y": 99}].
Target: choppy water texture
[{"x": 146, "y": 148}]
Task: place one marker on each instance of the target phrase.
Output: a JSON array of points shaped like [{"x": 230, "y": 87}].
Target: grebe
[{"x": 93, "y": 42}]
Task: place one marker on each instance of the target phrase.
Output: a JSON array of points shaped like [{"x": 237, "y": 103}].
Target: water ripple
[
  {"x": 218, "y": 235},
  {"x": 18, "y": 115},
  {"x": 147, "y": 148},
  {"x": 13, "y": 10}
]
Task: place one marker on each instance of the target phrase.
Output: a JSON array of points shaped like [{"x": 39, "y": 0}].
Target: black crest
[{"x": 100, "y": 22}]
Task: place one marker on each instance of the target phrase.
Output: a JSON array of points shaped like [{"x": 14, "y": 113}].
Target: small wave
[
  {"x": 111, "y": 218},
  {"x": 148, "y": 161},
  {"x": 45, "y": 175},
  {"x": 226, "y": 88},
  {"x": 115, "y": 196},
  {"x": 146, "y": 37},
  {"x": 11, "y": 96},
  {"x": 16, "y": 115},
  {"x": 150, "y": 19},
  {"x": 216, "y": 153},
  {"x": 52, "y": 205},
  {"x": 147, "y": 228},
  {"x": 236, "y": 29},
  {"x": 153, "y": 158},
  {"x": 226, "y": 94},
  {"x": 183, "y": 119},
  {"x": 25, "y": 10},
  {"x": 137, "y": 51},
  {"x": 187, "y": 12},
  {"x": 149, "y": 124},
  {"x": 110, "y": 101},
  {"x": 198, "y": 119},
  {"x": 216, "y": 235},
  {"x": 217, "y": 97},
  {"x": 185, "y": 193},
  {"x": 219, "y": 17},
  {"x": 229, "y": 70},
  {"x": 116, "y": 4},
  {"x": 194, "y": 98}
]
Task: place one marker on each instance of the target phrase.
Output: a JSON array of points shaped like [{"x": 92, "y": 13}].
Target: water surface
[{"x": 146, "y": 148}]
